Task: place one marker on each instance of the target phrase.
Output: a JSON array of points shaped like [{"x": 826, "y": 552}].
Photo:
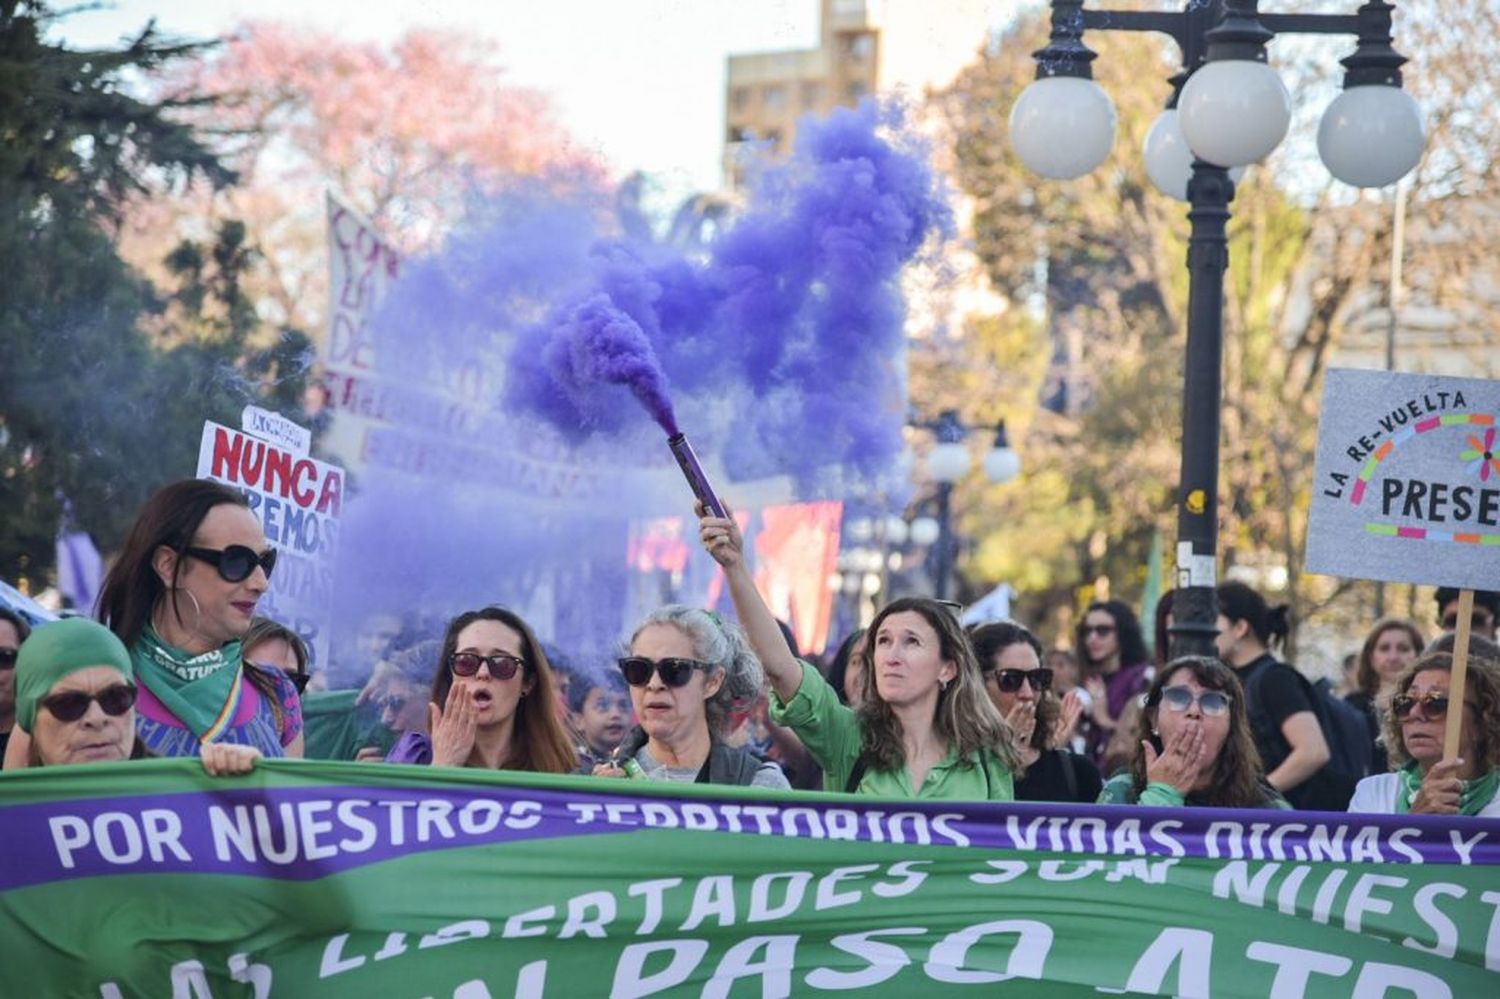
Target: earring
[
  {"x": 943, "y": 686},
  {"x": 197, "y": 608}
]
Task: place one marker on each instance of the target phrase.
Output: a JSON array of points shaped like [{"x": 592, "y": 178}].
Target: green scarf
[
  {"x": 1476, "y": 793},
  {"x": 202, "y": 691}
]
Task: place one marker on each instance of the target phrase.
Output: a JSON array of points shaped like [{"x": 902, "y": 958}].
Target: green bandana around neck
[
  {"x": 1475, "y": 795},
  {"x": 201, "y": 691}
]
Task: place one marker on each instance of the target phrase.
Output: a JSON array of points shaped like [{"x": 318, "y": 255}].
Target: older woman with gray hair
[{"x": 687, "y": 668}]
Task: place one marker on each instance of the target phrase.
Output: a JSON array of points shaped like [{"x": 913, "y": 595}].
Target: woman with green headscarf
[
  {"x": 1427, "y": 783},
  {"x": 75, "y": 699}
]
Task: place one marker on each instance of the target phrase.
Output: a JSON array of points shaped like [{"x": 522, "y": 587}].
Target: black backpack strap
[{"x": 857, "y": 774}]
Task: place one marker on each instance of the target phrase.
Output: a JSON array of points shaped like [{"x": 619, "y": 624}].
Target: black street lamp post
[{"x": 1227, "y": 107}]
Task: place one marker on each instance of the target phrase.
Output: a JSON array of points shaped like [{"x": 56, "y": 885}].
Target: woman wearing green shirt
[{"x": 926, "y": 728}]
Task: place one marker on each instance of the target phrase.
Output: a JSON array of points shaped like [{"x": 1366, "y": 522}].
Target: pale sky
[{"x": 639, "y": 81}]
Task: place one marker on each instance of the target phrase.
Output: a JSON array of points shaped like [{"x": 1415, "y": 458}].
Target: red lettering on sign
[{"x": 226, "y": 461}]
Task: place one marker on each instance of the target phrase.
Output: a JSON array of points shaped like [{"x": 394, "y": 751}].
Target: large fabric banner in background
[{"x": 308, "y": 879}]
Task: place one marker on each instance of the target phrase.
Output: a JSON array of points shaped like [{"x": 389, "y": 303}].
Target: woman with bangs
[
  {"x": 925, "y": 727},
  {"x": 493, "y": 704},
  {"x": 1201, "y": 751}
]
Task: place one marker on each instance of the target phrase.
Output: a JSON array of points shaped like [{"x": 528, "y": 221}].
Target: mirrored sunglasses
[
  {"x": 674, "y": 671},
  {"x": 1210, "y": 702},
  {"x": 1009, "y": 680},
  {"x": 74, "y": 704},
  {"x": 502, "y": 667},
  {"x": 236, "y": 562}
]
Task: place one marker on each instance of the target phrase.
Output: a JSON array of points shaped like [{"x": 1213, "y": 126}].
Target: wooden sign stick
[{"x": 1460, "y": 671}]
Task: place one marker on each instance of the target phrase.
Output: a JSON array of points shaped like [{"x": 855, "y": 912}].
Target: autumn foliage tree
[{"x": 405, "y": 133}]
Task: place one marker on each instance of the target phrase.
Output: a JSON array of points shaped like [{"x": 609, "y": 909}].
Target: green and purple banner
[{"x": 345, "y": 879}]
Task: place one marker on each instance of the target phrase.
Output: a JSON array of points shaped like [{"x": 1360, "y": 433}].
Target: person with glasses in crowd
[
  {"x": 1022, "y": 690},
  {"x": 181, "y": 595},
  {"x": 1200, "y": 750},
  {"x": 13, "y": 631},
  {"x": 1426, "y": 783},
  {"x": 687, "y": 669},
  {"x": 925, "y": 727},
  {"x": 273, "y": 645},
  {"x": 1116, "y": 668},
  {"x": 76, "y": 696},
  {"x": 493, "y": 703},
  {"x": 1483, "y": 621}
]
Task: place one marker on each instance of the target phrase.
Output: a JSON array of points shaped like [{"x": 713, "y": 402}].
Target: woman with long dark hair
[
  {"x": 1200, "y": 750},
  {"x": 925, "y": 727},
  {"x": 493, "y": 703},
  {"x": 181, "y": 595},
  {"x": 1115, "y": 666}
]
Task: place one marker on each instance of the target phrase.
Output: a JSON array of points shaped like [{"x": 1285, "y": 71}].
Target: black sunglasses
[
  {"x": 502, "y": 667},
  {"x": 74, "y": 704},
  {"x": 8, "y": 658},
  {"x": 1478, "y": 621},
  {"x": 1433, "y": 705},
  {"x": 299, "y": 679},
  {"x": 1009, "y": 680},
  {"x": 236, "y": 562},
  {"x": 674, "y": 671}
]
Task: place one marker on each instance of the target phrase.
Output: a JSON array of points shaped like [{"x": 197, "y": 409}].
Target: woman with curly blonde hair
[{"x": 1426, "y": 783}]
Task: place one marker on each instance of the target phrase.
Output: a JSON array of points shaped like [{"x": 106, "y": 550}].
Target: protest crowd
[{"x": 916, "y": 706}]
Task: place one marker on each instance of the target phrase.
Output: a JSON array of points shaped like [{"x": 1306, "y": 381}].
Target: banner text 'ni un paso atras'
[{"x": 342, "y": 879}]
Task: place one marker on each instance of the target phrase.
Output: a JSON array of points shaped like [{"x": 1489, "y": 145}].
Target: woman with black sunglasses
[
  {"x": 493, "y": 702},
  {"x": 1200, "y": 751},
  {"x": 181, "y": 595},
  {"x": 686, "y": 669},
  {"x": 1021, "y": 688},
  {"x": 76, "y": 696},
  {"x": 1427, "y": 784}
]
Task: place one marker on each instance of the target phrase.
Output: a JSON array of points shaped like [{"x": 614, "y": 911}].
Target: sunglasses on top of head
[
  {"x": 502, "y": 667},
  {"x": 236, "y": 562},
  {"x": 74, "y": 704},
  {"x": 1009, "y": 680},
  {"x": 674, "y": 671}
]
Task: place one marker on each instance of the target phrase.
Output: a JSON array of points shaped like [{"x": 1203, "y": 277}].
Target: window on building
[
  {"x": 812, "y": 93},
  {"x": 739, "y": 98},
  {"x": 858, "y": 47},
  {"x": 855, "y": 92},
  {"x": 773, "y": 97}
]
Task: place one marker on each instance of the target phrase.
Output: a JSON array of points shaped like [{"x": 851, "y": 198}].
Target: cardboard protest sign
[
  {"x": 298, "y": 500},
  {"x": 1407, "y": 486},
  {"x": 341, "y": 879}
]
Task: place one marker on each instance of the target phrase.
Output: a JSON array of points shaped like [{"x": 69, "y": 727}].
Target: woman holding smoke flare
[
  {"x": 1200, "y": 751},
  {"x": 180, "y": 596},
  {"x": 76, "y": 696},
  {"x": 493, "y": 703},
  {"x": 925, "y": 729},
  {"x": 1426, "y": 784},
  {"x": 687, "y": 669}
]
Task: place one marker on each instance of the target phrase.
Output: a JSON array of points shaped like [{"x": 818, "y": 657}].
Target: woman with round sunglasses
[
  {"x": 1020, "y": 687},
  {"x": 1200, "y": 751},
  {"x": 925, "y": 727},
  {"x": 493, "y": 704},
  {"x": 1426, "y": 783},
  {"x": 181, "y": 595},
  {"x": 76, "y": 696},
  {"x": 687, "y": 669}
]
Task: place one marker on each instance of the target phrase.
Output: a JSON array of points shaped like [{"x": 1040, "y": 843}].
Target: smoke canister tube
[{"x": 683, "y": 452}]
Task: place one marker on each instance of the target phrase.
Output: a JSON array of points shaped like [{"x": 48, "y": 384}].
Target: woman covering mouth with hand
[{"x": 493, "y": 703}]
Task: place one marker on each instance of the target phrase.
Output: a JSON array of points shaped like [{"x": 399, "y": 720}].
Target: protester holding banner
[
  {"x": 493, "y": 703},
  {"x": 1200, "y": 751},
  {"x": 926, "y": 728},
  {"x": 687, "y": 669},
  {"x": 1116, "y": 668},
  {"x": 1426, "y": 783},
  {"x": 181, "y": 595},
  {"x": 13, "y": 631},
  {"x": 1020, "y": 687},
  {"x": 1390, "y": 647},
  {"x": 76, "y": 695},
  {"x": 1279, "y": 700}
]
